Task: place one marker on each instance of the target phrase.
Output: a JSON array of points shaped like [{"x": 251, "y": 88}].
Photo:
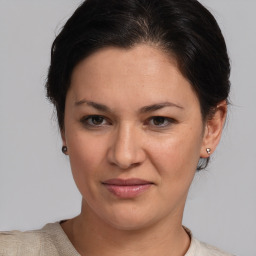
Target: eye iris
[
  {"x": 97, "y": 120},
  {"x": 158, "y": 120}
]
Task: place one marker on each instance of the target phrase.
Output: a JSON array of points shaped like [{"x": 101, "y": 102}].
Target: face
[{"x": 134, "y": 133}]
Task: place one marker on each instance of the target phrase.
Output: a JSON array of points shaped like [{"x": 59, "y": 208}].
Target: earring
[
  {"x": 64, "y": 149},
  {"x": 208, "y": 150}
]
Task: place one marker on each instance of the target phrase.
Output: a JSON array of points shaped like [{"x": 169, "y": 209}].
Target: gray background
[{"x": 36, "y": 185}]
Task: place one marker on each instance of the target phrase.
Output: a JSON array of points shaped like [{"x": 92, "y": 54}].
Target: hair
[{"x": 184, "y": 29}]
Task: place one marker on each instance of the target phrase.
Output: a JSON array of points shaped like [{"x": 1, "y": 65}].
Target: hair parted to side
[{"x": 184, "y": 29}]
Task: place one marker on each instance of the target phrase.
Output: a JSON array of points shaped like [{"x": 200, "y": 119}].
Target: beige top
[{"x": 51, "y": 240}]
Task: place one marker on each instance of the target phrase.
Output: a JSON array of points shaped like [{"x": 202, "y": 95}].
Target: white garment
[{"x": 51, "y": 240}]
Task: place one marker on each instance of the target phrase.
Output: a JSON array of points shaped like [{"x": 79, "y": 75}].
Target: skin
[{"x": 128, "y": 141}]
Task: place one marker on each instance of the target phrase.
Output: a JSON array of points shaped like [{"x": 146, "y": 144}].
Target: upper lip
[{"x": 126, "y": 182}]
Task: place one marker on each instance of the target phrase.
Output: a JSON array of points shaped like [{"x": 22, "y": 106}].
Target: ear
[
  {"x": 63, "y": 137},
  {"x": 64, "y": 141},
  {"x": 213, "y": 129}
]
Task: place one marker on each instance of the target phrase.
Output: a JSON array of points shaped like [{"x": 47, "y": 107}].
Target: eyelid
[
  {"x": 84, "y": 121},
  {"x": 170, "y": 121}
]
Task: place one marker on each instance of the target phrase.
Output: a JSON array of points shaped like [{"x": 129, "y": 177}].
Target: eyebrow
[
  {"x": 158, "y": 106},
  {"x": 95, "y": 105},
  {"x": 145, "y": 109}
]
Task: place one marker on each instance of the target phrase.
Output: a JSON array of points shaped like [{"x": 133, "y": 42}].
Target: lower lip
[{"x": 127, "y": 191}]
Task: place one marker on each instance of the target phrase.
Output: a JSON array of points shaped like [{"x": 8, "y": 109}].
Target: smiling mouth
[{"x": 129, "y": 188}]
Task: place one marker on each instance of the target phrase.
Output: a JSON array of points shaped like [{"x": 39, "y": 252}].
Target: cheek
[
  {"x": 85, "y": 149},
  {"x": 177, "y": 156},
  {"x": 86, "y": 155}
]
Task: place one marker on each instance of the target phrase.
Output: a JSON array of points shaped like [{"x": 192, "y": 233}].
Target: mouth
[{"x": 128, "y": 188}]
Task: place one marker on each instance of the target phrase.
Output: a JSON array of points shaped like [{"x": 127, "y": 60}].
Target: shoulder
[
  {"x": 198, "y": 248},
  {"x": 19, "y": 243},
  {"x": 206, "y": 249},
  {"x": 37, "y": 242}
]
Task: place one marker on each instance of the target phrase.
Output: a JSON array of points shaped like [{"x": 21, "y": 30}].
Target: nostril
[
  {"x": 135, "y": 165},
  {"x": 125, "y": 166}
]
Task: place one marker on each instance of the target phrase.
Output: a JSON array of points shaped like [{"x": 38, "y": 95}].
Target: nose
[{"x": 126, "y": 148}]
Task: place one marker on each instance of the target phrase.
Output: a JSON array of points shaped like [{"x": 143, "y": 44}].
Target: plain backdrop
[{"x": 36, "y": 186}]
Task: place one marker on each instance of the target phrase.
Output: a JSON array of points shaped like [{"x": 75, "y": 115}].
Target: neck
[{"x": 87, "y": 232}]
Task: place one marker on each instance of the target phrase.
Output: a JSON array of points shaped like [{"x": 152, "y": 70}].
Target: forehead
[
  {"x": 143, "y": 71},
  {"x": 145, "y": 57}
]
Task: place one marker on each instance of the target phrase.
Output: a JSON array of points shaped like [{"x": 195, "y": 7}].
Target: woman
[{"x": 140, "y": 89}]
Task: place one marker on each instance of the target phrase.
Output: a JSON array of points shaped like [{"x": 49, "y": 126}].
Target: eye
[
  {"x": 160, "y": 121},
  {"x": 94, "y": 121}
]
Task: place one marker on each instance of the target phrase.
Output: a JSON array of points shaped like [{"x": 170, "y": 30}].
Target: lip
[{"x": 128, "y": 188}]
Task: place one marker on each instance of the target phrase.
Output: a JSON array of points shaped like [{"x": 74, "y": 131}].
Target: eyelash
[
  {"x": 166, "y": 120},
  {"x": 87, "y": 121}
]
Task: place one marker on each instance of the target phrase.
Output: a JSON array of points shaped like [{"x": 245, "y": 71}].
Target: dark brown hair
[{"x": 182, "y": 28}]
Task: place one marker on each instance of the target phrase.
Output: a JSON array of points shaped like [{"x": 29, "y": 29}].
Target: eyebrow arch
[
  {"x": 95, "y": 105},
  {"x": 158, "y": 106}
]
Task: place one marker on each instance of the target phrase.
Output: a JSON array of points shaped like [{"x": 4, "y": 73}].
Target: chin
[{"x": 130, "y": 219}]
